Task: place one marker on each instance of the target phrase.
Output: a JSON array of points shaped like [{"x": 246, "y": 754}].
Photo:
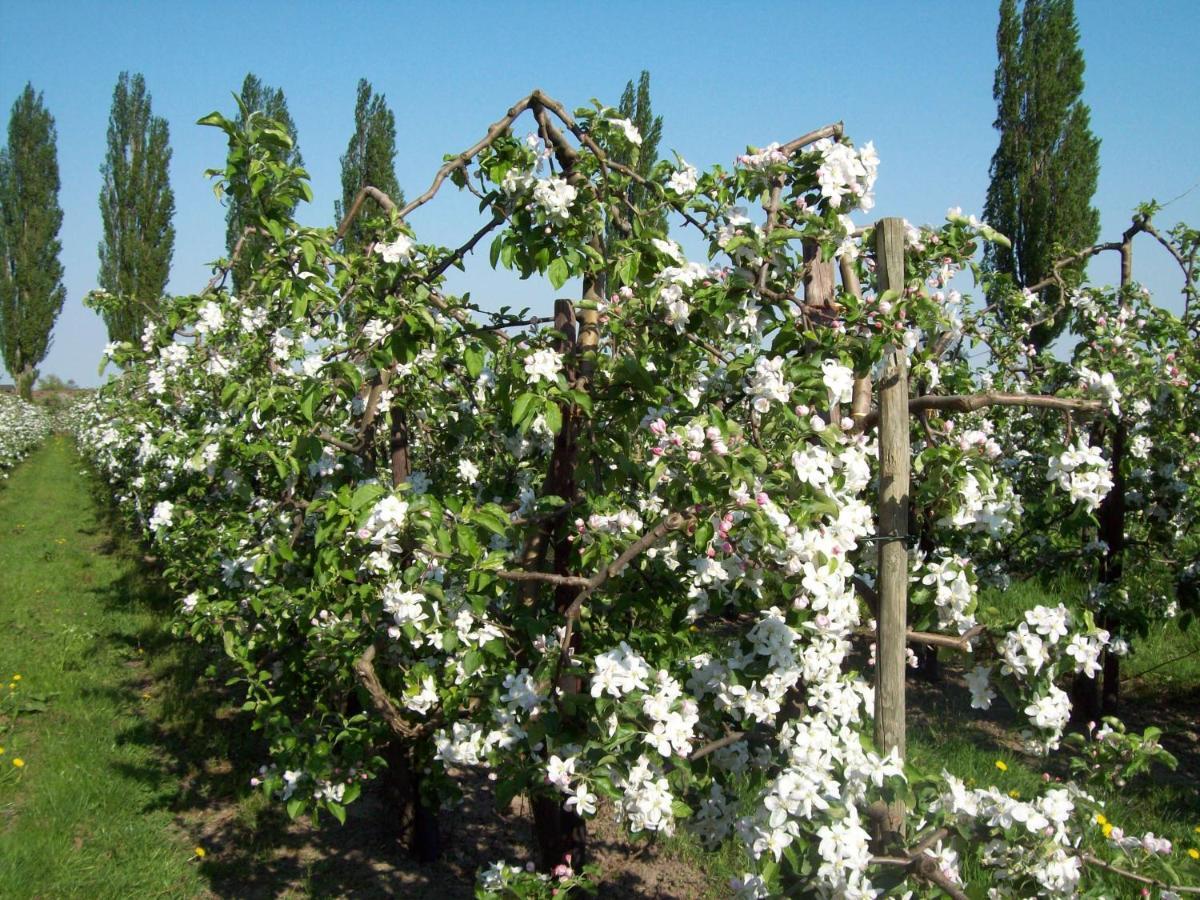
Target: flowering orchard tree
[
  {"x": 1126, "y": 518},
  {"x": 614, "y": 557},
  {"x": 23, "y": 427}
]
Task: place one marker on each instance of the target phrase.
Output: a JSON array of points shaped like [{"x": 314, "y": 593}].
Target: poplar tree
[
  {"x": 136, "y": 206},
  {"x": 635, "y": 106},
  {"x": 369, "y": 160},
  {"x": 256, "y": 97},
  {"x": 31, "y": 288},
  {"x": 1044, "y": 171}
]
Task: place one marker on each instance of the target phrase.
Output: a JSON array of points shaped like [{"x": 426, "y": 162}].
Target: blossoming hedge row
[
  {"x": 23, "y": 426},
  {"x": 618, "y": 556}
]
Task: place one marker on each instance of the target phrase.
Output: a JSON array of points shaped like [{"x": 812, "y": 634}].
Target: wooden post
[
  {"x": 892, "y": 622},
  {"x": 860, "y": 401},
  {"x": 561, "y": 833},
  {"x": 1112, "y": 514},
  {"x": 818, "y": 281}
]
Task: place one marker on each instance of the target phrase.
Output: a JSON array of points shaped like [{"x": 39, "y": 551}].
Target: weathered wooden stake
[{"x": 892, "y": 622}]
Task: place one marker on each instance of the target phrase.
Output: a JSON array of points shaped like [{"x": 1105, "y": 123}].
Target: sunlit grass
[{"x": 87, "y": 816}]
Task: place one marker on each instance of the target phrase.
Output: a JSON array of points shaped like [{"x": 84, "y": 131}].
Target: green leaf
[
  {"x": 474, "y": 360},
  {"x": 558, "y": 272},
  {"x": 521, "y": 407},
  {"x": 309, "y": 399},
  {"x": 627, "y": 268},
  {"x": 680, "y": 810},
  {"x": 493, "y": 518},
  {"x": 554, "y": 418}
]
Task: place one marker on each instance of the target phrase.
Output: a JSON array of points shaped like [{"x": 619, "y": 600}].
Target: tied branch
[
  {"x": 973, "y": 402},
  {"x": 368, "y": 679}
]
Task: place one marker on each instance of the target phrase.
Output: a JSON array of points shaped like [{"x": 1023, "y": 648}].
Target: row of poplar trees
[
  {"x": 1043, "y": 176},
  {"x": 137, "y": 205}
]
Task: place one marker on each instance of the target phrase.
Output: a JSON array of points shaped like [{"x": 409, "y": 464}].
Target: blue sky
[{"x": 914, "y": 77}]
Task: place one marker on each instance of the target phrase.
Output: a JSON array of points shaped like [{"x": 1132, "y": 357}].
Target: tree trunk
[
  {"x": 417, "y": 822},
  {"x": 561, "y": 834},
  {"x": 25, "y": 379},
  {"x": 1112, "y": 532}
]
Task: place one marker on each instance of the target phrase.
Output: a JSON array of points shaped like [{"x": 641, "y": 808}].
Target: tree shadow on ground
[{"x": 204, "y": 754}]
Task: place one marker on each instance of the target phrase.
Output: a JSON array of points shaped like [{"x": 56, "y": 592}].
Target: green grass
[
  {"x": 89, "y": 813},
  {"x": 1160, "y": 686}
]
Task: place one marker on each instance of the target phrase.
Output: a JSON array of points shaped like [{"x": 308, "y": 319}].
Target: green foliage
[
  {"x": 31, "y": 288},
  {"x": 1043, "y": 173},
  {"x": 256, "y": 97},
  {"x": 136, "y": 206},
  {"x": 369, "y": 161}
]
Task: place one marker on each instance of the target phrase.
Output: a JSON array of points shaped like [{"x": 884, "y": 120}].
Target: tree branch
[
  {"x": 546, "y": 578},
  {"x": 352, "y": 213},
  {"x": 364, "y": 669},
  {"x": 1133, "y": 876},
  {"x": 972, "y": 402}
]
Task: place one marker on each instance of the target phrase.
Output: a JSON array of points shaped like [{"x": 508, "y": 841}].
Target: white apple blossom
[{"x": 543, "y": 365}]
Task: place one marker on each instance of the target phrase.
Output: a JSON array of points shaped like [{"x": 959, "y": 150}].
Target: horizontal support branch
[
  {"x": 546, "y": 578},
  {"x": 962, "y": 642},
  {"x": 972, "y": 402},
  {"x": 1133, "y": 876},
  {"x": 731, "y": 738}
]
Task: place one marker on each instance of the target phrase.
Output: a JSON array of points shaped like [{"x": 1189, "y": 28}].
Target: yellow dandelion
[
  {"x": 1001, "y": 765},
  {"x": 1, "y": 751},
  {"x": 1107, "y": 828},
  {"x": 16, "y": 677},
  {"x": 1015, "y": 794},
  {"x": 18, "y": 762},
  {"x": 1193, "y": 853},
  {"x": 1196, "y": 829},
  {"x": 200, "y": 852},
  {"x": 1100, "y": 820}
]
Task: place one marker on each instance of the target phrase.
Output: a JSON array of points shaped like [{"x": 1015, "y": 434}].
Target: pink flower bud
[{"x": 761, "y": 498}]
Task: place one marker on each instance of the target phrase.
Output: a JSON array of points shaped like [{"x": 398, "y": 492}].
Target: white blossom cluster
[
  {"x": 1103, "y": 385},
  {"x": 543, "y": 365},
  {"x": 847, "y": 172},
  {"x": 766, "y": 385},
  {"x": 23, "y": 426},
  {"x": 555, "y": 196},
  {"x": 1082, "y": 472}
]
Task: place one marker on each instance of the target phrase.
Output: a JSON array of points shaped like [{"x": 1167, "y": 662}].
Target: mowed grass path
[{"x": 80, "y": 818}]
